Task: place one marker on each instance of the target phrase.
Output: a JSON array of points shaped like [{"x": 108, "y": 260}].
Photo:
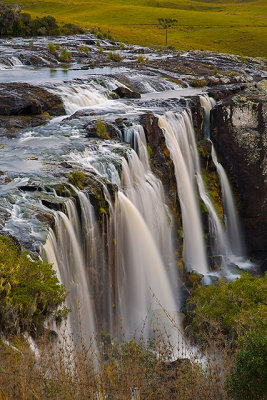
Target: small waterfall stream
[
  {"x": 233, "y": 230},
  {"x": 64, "y": 249},
  {"x": 177, "y": 134},
  {"x": 231, "y": 243}
]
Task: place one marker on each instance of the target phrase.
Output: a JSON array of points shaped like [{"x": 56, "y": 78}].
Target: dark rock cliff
[{"x": 239, "y": 131}]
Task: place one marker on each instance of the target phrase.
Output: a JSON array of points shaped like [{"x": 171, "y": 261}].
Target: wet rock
[
  {"x": 239, "y": 131},
  {"x": 124, "y": 92},
  {"x": 23, "y": 105},
  {"x": 101, "y": 129},
  {"x": 23, "y": 99},
  {"x": 64, "y": 164},
  {"x": 30, "y": 188}
]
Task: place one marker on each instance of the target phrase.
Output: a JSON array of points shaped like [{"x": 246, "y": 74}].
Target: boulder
[
  {"x": 124, "y": 92},
  {"x": 239, "y": 131},
  {"x": 23, "y": 105}
]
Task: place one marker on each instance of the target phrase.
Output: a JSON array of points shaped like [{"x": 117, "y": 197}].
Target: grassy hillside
[{"x": 238, "y": 27}]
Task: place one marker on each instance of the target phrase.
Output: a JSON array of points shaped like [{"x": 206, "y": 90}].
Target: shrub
[
  {"x": 77, "y": 178},
  {"x": 65, "y": 55},
  {"x": 14, "y": 22},
  {"x": 101, "y": 130},
  {"x": 248, "y": 380},
  {"x": 83, "y": 49},
  {"x": 114, "y": 57},
  {"x": 231, "y": 308},
  {"x": 142, "y": 59},
  {"x": 198, "y": 83},
  {"x": 29, "y": 291}
]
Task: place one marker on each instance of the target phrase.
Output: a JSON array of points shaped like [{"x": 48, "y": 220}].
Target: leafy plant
[
  {"x": 83, "y": 49},
  {"x": 65, "y": 55},
  {"x": 114, "y": 57},
  {"x": 101, "y": 130},
  {"x": 248, "y": 380},
  {"x": 29, "y": 291},
  {"x": 231, "y": 308},
  {"x": 77, "y": 178}
]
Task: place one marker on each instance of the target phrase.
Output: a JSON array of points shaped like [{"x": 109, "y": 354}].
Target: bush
[
  {"x": 101, "y": 130},
  {"x": 198, "y": 83},
  {"x": 77, "y": 178},
  {"x": 114, "y": 57},
  {"x": 65, "y": 55},
  {"x": 83, "y": 49},
  {"x": 230, "y": 308},
  {"x": 14, "y": 22},
  {"x": 248, "y": 380},
  {"x": 29, "y": 291}
]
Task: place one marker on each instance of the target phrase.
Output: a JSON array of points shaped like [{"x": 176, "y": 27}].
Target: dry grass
[{"x": 129, "y": 370}]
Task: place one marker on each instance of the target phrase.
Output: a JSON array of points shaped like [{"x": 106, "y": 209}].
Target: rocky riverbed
[{"x": 120, "y": 85}]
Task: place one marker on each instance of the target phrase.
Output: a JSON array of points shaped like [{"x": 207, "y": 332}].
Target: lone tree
[{"x": 166, "y": 23}]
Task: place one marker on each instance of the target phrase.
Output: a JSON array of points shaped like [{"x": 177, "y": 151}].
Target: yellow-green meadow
[{"x": 238, "y": 27}]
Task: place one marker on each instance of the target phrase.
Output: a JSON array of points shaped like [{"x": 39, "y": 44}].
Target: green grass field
[{"x": 238, "y": 27}]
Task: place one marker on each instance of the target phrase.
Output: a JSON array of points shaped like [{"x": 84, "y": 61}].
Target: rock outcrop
[
  {"x": 239, "y": 131},
  {"x": 24, "y": 105}
]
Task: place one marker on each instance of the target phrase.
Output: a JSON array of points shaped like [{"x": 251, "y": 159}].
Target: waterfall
[
  {"x": 177, "y": 130},
  {"x": 233, "y": 230},
  {"x": 64, "y": 250},
  {"x": 77, "y": 97},
  {"x": 207, "y": 103},
  {"x": 146, "y": 192},
  {"x": 232, "y": 242},
  {"x": 144, "y": 294},
  {"x": 216, "y": 230}
]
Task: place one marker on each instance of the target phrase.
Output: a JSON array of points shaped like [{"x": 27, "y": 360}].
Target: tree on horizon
[{"x": 166, "y": 23}]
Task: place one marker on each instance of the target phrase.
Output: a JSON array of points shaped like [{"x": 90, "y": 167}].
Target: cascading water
[
  {"x": 64, "y": 249},
  {"x": 146, "y": 192},
  {"x": 143, "y": 242},
  {"x": 232, "y": 242},
  {"x": 76, "y": 97},
  {"x": 233, "y": 230},
  {"x": 144, "y": 294},
  {"x": 207, "y": 103},
  {"x": 178, "y": 136}
]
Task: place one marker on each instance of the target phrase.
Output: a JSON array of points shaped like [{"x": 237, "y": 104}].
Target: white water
[
  {"x": 146, "y": 192},
  {"x": 207, "y": 103},
  {"x": 233, "y": 230},
  {"x": 77, "y": 97},
  {"x": 216, "y": 230},
  {"x": 63, "y": 249},
  {"x": 144, "y": 294},
  {"x": 177, "y": 132}
]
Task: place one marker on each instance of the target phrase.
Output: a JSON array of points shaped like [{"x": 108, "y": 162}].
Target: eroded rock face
[
  {"x": 23, "y": 105},
  {"x": 239, "y": 130}
]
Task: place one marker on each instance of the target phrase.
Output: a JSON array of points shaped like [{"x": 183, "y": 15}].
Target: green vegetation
[
  {"x": 248, "y": 380},
  {"x": 235, "y": 26},
  {"x": 14, "y": 22},
  {"x": 101, "y": 130},
  {"x": 61, "y": 53},
  {"x": 77, "y": 178},
  {"x": 198, "y": 83},
  {"x": 230, "y": 308},
  {"x": 114, "y": 57},
  {"x": 29, "y": 291},
  {"x": 235, "y": 314},
  {"x": 141, "y": 59},
  {"x": 65, "y": 55},
  {"x": 83, "y": 49}
]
